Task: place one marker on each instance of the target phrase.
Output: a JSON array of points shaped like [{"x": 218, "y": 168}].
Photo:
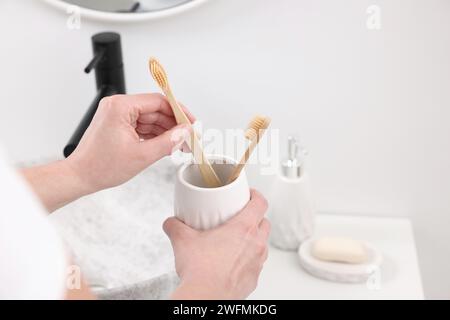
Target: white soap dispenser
[{"x": 291, "y": 208}]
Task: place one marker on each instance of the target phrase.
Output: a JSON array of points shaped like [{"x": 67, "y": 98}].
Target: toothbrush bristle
[
  {"x": 158, "y": 73},
  {"x": 255, "y": 127}
]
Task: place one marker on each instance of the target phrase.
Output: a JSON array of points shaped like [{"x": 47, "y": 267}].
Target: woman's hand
[
  {"x": 225, "y": 262},
  {"x": 127, "y": 134}
]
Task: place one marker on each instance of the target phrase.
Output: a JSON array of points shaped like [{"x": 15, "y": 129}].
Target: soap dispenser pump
[
  {"x": 291, "y": 210},
  {"x": 291, "y": 168}
]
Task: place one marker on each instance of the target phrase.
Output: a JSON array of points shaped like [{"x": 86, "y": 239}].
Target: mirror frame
[{"x": 125, "y": 17}]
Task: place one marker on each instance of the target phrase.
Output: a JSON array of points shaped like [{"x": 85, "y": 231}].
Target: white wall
[{"x": 372, "y": 106}]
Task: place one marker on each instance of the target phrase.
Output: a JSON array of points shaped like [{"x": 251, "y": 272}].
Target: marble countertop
[{"x": 116, "y": 236}]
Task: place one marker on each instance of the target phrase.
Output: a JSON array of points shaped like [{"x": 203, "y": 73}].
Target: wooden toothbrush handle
[
  {"x": 210, "y": 177},
  {"x": 240, "y": 166},
  {"x": 180, "y": 116}
]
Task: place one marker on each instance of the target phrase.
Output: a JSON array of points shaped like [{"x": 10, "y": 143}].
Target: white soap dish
[{"x": 339, "y": 272}]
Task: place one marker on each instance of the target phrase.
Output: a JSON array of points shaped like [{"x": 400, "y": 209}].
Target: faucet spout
[{"x": 95, "y": 61}]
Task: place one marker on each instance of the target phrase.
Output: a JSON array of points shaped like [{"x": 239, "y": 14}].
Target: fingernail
[{"x": 180, "y": 135}]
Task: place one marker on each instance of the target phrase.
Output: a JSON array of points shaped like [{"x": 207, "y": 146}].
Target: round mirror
[{"x": 124, "y": 10}]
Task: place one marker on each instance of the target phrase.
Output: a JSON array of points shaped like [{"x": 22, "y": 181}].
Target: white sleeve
[{"x": 33, "y": 260}]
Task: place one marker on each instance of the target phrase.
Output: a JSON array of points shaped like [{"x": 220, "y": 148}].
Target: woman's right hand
[{"x": 225, "y": 262}]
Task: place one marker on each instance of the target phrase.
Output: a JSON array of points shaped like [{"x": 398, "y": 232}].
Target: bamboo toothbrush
[
  {"x": 207, "y": 171},
  {"x": 254, "y": 133}
]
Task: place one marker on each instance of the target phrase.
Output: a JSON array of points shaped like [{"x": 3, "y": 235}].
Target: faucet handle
[{"x": 95, "y": 60}]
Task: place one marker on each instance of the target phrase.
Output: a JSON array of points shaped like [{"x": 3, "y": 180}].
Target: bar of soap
[{"x": 343, "y": 250}]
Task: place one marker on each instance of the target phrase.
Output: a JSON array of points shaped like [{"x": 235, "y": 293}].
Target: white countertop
[{"x": 283, "y": 277}]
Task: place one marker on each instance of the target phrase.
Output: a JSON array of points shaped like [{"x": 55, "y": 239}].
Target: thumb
[
  {"x": 175, "y": 229},
  {"x": 165, "y": 144}
]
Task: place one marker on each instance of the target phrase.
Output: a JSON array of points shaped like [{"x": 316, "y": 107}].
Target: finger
[
  {"x": 149, "y": 103},
  {"x": 149, "y": 117},
  {"x": 255, "y": 209},
  {"x": 150, "y": 129},
  {"x": 152, "y": 102},
  {"x": 264, "y": 228},
  {"x": 175, "y": 229},
  {"x": 164, "y": 144},
  {"x": 158, "y": 118}
]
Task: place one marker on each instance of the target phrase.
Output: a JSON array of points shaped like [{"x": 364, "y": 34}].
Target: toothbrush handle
[
  {"x": 240, "y": 166},
  {"x": 210, "y": 177},
  {"x": 180, "y": 116}
]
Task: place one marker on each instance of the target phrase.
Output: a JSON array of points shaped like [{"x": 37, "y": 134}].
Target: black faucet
[{"x": 109, "y": 75}]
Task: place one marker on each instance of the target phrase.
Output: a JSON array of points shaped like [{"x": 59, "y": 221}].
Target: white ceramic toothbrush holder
[{"x": 203, "y": 208}]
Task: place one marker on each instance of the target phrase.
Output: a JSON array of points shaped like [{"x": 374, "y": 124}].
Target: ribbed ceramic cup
[{"x": 204, "y": 208}]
